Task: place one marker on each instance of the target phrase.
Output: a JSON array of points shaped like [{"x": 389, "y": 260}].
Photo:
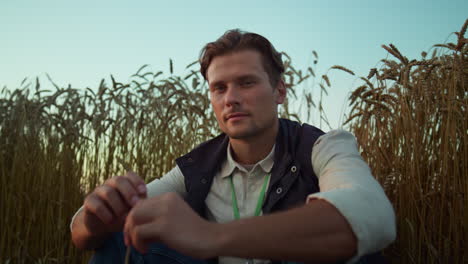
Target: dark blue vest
[{"x": 292, "y": 176}]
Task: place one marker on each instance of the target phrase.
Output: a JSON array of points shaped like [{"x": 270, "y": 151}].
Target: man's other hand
[{"x": 168, "y": 219}]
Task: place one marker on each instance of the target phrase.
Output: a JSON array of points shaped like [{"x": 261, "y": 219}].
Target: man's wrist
[
  {"x": 83, "y": 237},
  {"x": 219, "y": 237}
]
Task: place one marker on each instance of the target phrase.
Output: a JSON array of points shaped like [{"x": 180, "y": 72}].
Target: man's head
[
  {"x": 236, "y": 40},
  {"x": 244, "y": 73}
]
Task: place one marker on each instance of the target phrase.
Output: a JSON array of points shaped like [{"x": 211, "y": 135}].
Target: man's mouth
[{"x": 236, "y": 116}]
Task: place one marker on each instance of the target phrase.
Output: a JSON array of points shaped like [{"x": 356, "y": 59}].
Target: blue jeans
[{"x": 113, "y": 252}]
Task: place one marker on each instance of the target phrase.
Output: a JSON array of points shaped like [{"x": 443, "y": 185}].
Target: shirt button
[
  {"x": 293, "y": 168},
  {"x": 203, "y": 181},
  {"x": 279, "y": 190}
]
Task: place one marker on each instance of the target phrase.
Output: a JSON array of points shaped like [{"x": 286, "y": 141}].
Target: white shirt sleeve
[
  {"x": 173, "y": 181},
  {"x": 346, "y": 182}
]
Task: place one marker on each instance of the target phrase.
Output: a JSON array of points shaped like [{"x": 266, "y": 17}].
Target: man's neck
[{"x": 253, "y": 150}]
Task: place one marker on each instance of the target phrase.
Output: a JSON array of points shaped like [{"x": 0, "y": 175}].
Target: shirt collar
[{"x": 229, "y": 165}]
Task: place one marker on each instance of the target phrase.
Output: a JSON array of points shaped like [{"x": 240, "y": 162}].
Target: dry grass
[{"x": 411, "y": 122}]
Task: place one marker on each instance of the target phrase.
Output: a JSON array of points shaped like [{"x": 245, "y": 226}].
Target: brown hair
[{"x": 237, "y": 40}]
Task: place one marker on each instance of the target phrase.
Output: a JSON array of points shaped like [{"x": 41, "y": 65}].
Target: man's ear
[{"x": 281, "y": 92}]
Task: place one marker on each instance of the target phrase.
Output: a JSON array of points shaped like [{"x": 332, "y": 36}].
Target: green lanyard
[{"x": 258, "y": 209}]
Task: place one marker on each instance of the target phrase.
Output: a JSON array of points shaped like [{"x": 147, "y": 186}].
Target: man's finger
[
  {"x": 143, "y": 235},
  {"x": 97, "y": 207},
  {"x": 137, "y": 182},
  {"x": 112, "y": 199},
  {"x": 138, "y": 215},
  {"x": 125, "y": 188}
]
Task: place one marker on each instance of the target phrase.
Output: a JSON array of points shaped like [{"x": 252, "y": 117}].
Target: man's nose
[{"x": 232, "y": 96}]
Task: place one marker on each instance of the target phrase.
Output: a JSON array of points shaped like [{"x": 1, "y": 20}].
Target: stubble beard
[{"x": 252, "y": 131}]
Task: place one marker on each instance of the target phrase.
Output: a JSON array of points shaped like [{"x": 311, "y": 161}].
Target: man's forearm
[{"x": 315, "y": 232}]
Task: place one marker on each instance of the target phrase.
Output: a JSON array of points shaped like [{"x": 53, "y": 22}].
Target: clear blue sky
[{"x": 81, "y": 42}]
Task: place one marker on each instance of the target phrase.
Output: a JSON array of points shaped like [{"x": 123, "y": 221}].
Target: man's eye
[
  {"x": 247, "y": 83},
  {"x": 218, "y": 88}
]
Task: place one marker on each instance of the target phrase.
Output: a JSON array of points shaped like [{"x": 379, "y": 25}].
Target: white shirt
[{"x": 345, "y": 181}]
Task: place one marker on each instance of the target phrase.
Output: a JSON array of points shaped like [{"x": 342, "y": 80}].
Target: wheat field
[{"x": 410, "y": 118}]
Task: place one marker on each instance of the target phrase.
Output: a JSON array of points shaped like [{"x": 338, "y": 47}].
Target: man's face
[{"x": 243, "y": 99}]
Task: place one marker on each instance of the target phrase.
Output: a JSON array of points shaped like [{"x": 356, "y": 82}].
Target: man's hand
[
  {"x": 107, "y": 206},
  {"x": 169, "y": 219}
]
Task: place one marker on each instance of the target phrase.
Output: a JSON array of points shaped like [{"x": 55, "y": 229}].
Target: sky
[{"x": 81, "y": 42}]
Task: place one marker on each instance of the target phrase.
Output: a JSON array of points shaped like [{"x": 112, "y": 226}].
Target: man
[{"x": 266, "y": 189}]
